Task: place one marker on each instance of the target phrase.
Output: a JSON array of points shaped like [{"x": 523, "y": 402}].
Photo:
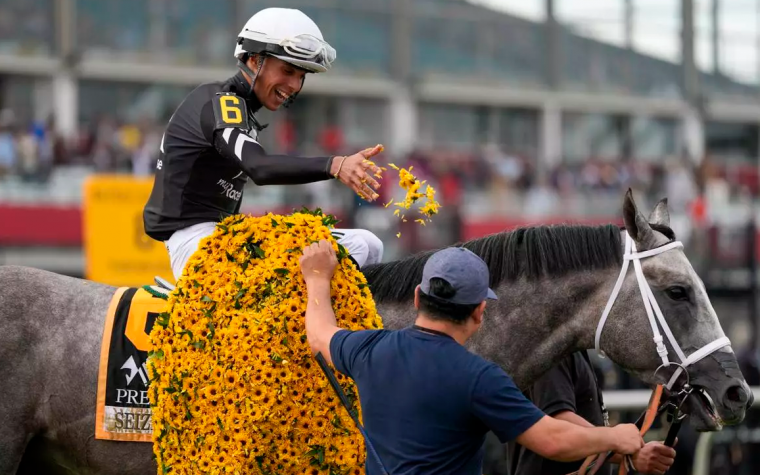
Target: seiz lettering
[{"x": 130, "y": 421}]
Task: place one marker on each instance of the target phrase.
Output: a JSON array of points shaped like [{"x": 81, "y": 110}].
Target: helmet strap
[
  {"x": 251, "y": 94},
  {"x": 253, "y": 75}
]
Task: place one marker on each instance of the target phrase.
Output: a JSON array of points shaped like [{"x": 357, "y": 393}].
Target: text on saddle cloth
[
  {"x": 123, "y": 410},
  {"x": 653, "y": 312}
]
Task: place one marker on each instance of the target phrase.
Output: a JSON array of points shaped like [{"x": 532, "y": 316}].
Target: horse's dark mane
[{"x": 532, "y": 253}]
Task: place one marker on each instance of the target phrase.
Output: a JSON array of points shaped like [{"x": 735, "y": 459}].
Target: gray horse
[{"x": 552, "y": 284}]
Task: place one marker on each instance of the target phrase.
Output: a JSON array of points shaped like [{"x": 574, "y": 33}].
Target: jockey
[{"x": 210, "y": 148}]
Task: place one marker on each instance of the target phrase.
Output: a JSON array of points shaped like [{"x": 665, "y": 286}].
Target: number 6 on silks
[{"x": 229, "y": 111}]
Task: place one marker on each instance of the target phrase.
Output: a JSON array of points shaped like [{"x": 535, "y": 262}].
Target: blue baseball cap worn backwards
[{"x": 464, "y": 270}]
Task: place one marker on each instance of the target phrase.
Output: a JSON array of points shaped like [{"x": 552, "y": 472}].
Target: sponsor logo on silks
[
  {"x": 228, "y": 189},
  {"x": 133, "y": 370}
]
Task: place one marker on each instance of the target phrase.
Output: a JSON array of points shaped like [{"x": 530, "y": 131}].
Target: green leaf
[
  {"x": 206, "y": 299},
  {"x": 197, "y": 267},
  {"x": 199, "y": 345},
  {"x": 282, "y": 271},
  {"x": 186, "y": 332},
  {"x": 277, "y": 358},
  {"x": 303, "y": 338},
  {"x": 163, "y": 319},
  {"x": 329, "y": 220},
  {"x": 289, "y": 225},
  {"x": 222, "y": 227},
  {"x": 196, "y": 284},
  {"x": 275, "y": 223},
  {"x": 159, "y": 355},
  {"x": 219, "y": 422},
  {"x": 230, "y": 257},
  {"x": 342, "y": 252},
  {"x": 211, "y": 330}
]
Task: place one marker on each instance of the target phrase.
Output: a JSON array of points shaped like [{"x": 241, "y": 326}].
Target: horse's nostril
[{"x": 737, "y": 394}]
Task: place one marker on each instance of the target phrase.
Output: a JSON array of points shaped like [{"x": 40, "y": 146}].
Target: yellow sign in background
[{"x": 117, "y": 250}]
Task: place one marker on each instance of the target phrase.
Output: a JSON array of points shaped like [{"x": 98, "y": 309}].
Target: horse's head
[{"x": 628, "y": 335}]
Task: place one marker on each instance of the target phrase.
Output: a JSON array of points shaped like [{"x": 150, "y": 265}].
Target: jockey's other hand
[
  {"x": 318, "y": 262},
  {"x": 356, "y": 172}
]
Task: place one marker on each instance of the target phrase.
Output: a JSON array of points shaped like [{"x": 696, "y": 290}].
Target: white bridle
[{"x": 653, "y": 312}]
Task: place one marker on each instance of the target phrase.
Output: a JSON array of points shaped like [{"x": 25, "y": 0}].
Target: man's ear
[
  {"x": 417, "y": 297},
  {"x": 477, "y": 314}
]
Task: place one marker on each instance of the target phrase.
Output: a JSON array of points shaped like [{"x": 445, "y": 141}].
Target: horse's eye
[{"x": 677, "y": 293}]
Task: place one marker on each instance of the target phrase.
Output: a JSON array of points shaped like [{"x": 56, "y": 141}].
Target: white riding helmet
[{"x": 287, "y": 34}]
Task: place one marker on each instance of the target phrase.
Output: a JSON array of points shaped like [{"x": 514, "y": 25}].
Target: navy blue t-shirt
[{"x": 427, "y": 402}]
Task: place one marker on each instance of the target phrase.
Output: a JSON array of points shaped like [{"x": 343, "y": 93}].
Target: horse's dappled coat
[{"x": 235, "y": 388}]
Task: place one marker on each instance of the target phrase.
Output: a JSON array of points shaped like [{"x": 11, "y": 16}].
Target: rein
[{"x": 675, "y": 401}]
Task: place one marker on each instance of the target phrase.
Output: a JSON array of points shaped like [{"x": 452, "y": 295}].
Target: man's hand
[
  {"x": 627, "y": 439},
  {"x": 356, "y": 173},
  {"x": 654, "y": 457},
  {"x": 318, "y": 262}
]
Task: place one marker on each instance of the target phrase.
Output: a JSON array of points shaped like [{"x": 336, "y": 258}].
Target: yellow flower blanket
[{"x": 234, "y": 387}]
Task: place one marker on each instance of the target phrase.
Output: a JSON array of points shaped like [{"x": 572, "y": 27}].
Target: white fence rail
[{"x": 639, "y": 399}]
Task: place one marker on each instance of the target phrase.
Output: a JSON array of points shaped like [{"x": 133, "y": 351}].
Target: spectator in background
[
  {"x": 680, "y": 185},
  {"x": 146, "y": 153},
  {"x": 542, "y": 200},
  {"x": 331, "y": 140},
  {"x": 28, "y": 155},
  {"x": 8, "y": 153}
]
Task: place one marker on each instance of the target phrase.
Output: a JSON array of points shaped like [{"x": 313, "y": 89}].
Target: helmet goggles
[{"x": 305, "y": 47}]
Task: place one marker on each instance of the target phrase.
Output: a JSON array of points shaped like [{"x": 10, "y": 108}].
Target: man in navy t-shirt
[{"x": 427, "y": 402}]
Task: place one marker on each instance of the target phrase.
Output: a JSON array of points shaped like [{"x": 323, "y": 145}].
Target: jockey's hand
[
  {"x": 318, "y": 262},
  {"x": 356, "y": 173},
  {"x": 654, "y": 457}
]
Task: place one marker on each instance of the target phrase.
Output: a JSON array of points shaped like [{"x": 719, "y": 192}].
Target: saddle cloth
[{"x": 123, "y": 410}]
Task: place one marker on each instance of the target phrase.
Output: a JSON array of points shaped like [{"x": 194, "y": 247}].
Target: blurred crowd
[{"x": 29, "y": 152}]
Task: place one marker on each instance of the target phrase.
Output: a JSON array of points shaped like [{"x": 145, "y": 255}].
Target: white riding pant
[{"x": 363, "y": 246}]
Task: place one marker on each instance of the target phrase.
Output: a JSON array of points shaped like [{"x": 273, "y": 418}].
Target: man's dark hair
[{"x": 434, "y": 305}]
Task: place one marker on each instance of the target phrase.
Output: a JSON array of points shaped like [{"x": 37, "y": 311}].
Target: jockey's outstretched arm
[{"x": 265, "y": 169}]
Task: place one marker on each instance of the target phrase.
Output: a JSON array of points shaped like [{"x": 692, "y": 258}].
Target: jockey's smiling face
[{"x": 276, "y": 81}]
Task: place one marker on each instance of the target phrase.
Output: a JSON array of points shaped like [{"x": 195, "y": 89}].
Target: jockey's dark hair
[
  {"x": 531, "y": 253},
  {"x": 438, "y": 309}
]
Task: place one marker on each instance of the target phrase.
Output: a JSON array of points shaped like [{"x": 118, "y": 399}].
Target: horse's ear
[
  {"x": 635, "y": 222},
  {"x": 660, "y": 214}
]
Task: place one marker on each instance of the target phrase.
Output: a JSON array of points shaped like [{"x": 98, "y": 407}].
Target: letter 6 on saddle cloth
[{"x": 363, "y": 246}]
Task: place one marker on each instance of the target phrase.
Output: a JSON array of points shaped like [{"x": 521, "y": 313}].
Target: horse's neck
[{"x": 534, "y": 324}]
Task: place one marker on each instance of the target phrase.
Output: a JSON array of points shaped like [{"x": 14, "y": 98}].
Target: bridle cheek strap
[{"x": 653, "y": 312}]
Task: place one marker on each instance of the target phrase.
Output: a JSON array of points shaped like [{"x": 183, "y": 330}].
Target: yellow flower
[{"x": 244, "y": 388}]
